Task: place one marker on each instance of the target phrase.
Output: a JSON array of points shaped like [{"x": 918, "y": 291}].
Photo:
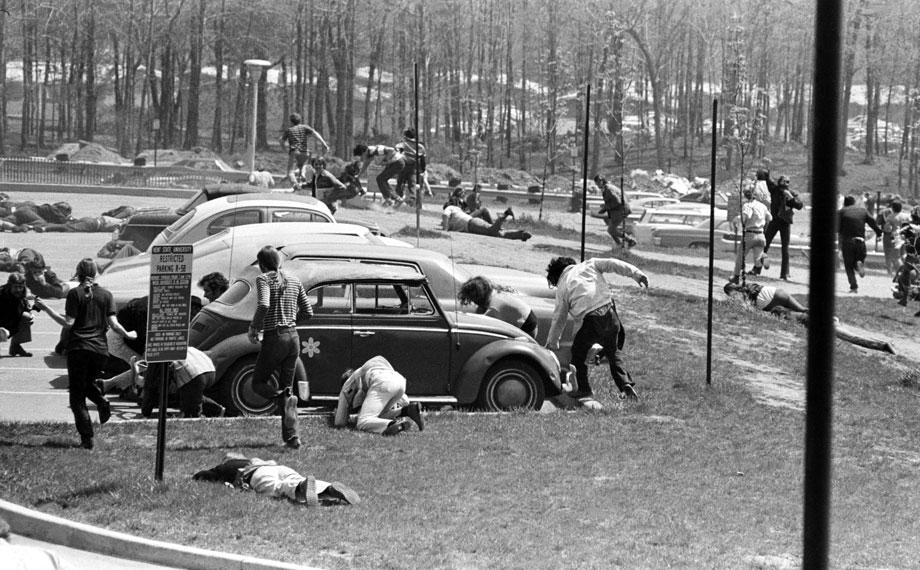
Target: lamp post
[{"x": 255, "y": 71}]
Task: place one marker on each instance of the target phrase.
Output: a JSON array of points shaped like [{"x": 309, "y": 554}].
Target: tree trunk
[
  {"x": 194, "y": 81},
  {"x": 849, "y": 70},
  {"x": 217, "y": 135},
  {"x": 4, "y": 124}
]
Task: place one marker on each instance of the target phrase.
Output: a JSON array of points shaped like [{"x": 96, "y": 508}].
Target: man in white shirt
[
  {"x": 583, "y": 292},
  {"x": 754, "y": 217}
]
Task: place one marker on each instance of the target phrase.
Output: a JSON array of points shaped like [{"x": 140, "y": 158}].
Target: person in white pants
[{"x": 379, "y": 393}]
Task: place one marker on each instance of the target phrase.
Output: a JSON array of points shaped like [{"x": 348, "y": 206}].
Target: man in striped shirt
[
  {"x": 281, "y": 298},
  {"x": 296, "y": 137}
]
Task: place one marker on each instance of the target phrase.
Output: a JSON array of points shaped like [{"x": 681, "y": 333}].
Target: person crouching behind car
[
  {"x": 490, "y": 302},
  {"x": 281, "y": 298},
  {"x": 379, "y": 392}
]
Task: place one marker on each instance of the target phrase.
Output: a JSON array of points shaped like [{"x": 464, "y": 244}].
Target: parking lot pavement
[{"x": 74, "y": 558}]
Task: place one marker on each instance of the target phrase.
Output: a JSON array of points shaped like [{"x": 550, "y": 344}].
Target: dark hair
[
  {"x": 16, "y": 278},
  {"x": 318, "y": 163},
  {"x": 849, "y": 200},
  {"x": 359, "y": 150},
  {"x": 86, "y": 269},
  {"x": 477, "y": 188},
  {"x": 896, "y": 207},
  {"x": 762, "y": 174},
  {"x": 599, "y": 180},
  {"x": 270, "y": 260},
  {"x": 731, "y": 288},
  {"x": 782, "y": 181},
  {"x": 296, "y": 119},
  {"x": 477, "y": 290},
  {"x": 409, "y": 133},
  {"x": 215, "y": 280},
  {"x": 748, "y": 192},
  {"x": 555, "y": 268}
]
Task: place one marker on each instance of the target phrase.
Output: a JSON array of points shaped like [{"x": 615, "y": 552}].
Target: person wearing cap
[
  {"x": 279, "y": 481},
  {"x": 16, "y": 314},
  {"x": 281, "y": 300},
  {"x": 296, "y": 138},
  {"x": 752, "y": 220},
  {"x": 378, "y": 392},
  {"x": 89, "y": 311},
  {"x": 783, "y": 204},
  {"x": 583, "y": 292},
  {"x": 851, "y": 230}
]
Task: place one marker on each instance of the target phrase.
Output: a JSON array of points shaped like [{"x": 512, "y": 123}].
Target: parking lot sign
[{"x": 169, "y": 304}]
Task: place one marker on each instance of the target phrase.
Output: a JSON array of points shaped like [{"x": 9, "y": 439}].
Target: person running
[
  {"x": 393, "y": 163},
  {"x": 891, "y": 219},
  {"x": 281, "y": 299},
  {"x": 615, "y": 211},
  {"x": 583, "y": 292},
  {"x": 754, "y": 216},
  {"x": 296, "y": 138},
  {"x": 89, "y": 310},
  {"x": 416, "y": 161},
  {"x": 851, "y": 229},
  {"x": 503, "y": 306},
  {"x": 378, "y": 392}
]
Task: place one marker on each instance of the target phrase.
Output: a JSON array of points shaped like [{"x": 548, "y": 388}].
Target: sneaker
[
  {"x": 341, "y": 493},
  {"x": 509, "y": 213},
  {"x": 293, "y": 443},
  {"x": 86, "y": 442},
  {"x": 396, "y": 426},
  {"x": 414, "y": 412},
  {"x": 630, "y": 393},
  {"x": 305, "y": 493},
  {"x": 765, "y": 261},
  {"x": 17, "y": 350},
  {"x": 105, "y": 412},
  {"x": 100, "y": 385},
  {"x": 861, "y": 268}
]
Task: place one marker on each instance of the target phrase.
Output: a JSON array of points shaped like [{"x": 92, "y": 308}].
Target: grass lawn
[{"x": 694, "y": 476}]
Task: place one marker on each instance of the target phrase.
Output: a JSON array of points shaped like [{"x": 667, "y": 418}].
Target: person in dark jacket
[
  {"x": 851, "y": 229},
  {"x": 16, "y": 314},
  {"x": 783, "y": 204}
]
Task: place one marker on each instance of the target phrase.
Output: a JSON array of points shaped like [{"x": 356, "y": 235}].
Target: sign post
[{"x": 168, "y": 312}]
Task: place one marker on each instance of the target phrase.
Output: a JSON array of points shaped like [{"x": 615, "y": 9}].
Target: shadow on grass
[{"x": 66, "y": 500}]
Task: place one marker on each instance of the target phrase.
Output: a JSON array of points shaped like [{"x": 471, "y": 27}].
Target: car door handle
[{"x": 364, "y": 334}]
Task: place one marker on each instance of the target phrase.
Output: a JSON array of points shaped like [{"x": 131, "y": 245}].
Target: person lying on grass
[{"x": 278, "y": 481}]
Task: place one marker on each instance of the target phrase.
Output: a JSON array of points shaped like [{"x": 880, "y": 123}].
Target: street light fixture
[{"x": 255, "y": 71}]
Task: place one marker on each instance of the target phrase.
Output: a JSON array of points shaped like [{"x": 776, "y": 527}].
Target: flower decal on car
[{"x": 310, "y": 347}]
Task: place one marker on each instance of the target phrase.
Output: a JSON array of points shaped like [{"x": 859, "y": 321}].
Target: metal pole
[
  {"x": 255, "y": 72},
  {"x": 418, "y": 172},
  {"x": 712, "y": 238},
  {"x": 821, "y": 286},
  {"x": 584, "y": 172},
  {"x": 161, "y": 421}
]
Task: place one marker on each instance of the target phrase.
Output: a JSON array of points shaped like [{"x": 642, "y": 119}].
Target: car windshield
[{"x": 177, "y": 225}]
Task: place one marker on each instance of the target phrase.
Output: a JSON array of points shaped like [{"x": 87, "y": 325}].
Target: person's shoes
[
  {"x": 785, "y": 277},
  {"x": 86, "y": 442},
  {"x": 105, "y": 412},
  {"x": 630, "y": 393},
  {"x": 526, "y": 236},
  {"x": 396, "y": 426},
  {"x": 342, "y": 493},
  {"x": 414, "y": 412},
  {"x": 398, "y": 202},
  {"x": 736, "y": 279},
  {"x": 854, "y": 290},
  {"x": 765, "y": 261},
  {"x": 387, "y": 203},
  {"x": 39, "y": 229},
  {"x": 753, "y": 272},
  {"x": 861, "y": 268},
  {"x": 289, "y": 416},
  {"x": 305, "y": 493},
  {"x": 100, "y": 385},
  {"x": 509, "y": 213},
  {"x": 17, "y": 350},
  {"x": 293, "y": 443},
  {"x": 917, "y": 314}
]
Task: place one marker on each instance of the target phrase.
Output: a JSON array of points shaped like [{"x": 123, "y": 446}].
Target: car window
[
  {"x": 288, "y": 215},
  {"x": 232, "y": 219},
  {"x": 667, "y": 218},
  {"x": 381, "y": 299},
  {"x": 331, "y": 299}
]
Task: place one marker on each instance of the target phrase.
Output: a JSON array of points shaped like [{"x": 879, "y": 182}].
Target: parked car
[
  {"x": 217, "y": 215},
  {"x": 696, "y": 236},
  {"x": 232, "y": 250},
  {"x": 675, "y": 215},
  {"x": 371, "y": 308}
]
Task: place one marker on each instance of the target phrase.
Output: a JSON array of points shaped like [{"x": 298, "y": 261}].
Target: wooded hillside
[{"x": 502, "y": 80}]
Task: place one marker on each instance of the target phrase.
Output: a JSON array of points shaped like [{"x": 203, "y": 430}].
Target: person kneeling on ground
[
  {"x": 16, "y": 314},
  {"x": 279, "y": 481},
  {"x": 188, "y": 379},
  {"x": 379, "y": 392},
  {"x": 503, "y": 306},
  {"x": 453, "y": 218}
]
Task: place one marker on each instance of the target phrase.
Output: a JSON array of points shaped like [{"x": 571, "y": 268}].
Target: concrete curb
[{"x": 41, "y": 526}]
